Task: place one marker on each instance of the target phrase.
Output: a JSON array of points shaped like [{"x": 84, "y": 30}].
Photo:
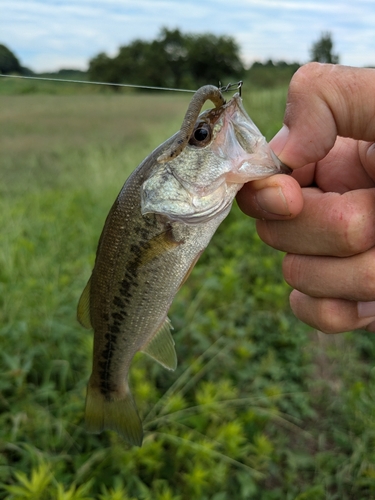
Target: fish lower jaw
[{"x": 248, "y": 171}]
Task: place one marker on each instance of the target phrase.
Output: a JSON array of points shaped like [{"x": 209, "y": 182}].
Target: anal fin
[{"x": 161, "y": 347}]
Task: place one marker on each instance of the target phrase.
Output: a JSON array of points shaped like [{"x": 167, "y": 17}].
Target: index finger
[{"x": 325, "y": 101}]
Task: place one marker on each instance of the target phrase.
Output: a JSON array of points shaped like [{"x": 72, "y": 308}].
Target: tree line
[
  {"x": 9, "y": 63},
  {"x": 182, "y": 60},
  {"x": 173, "y": 59}
]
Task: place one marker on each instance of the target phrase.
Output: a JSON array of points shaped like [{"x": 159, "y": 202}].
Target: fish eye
[{"x": 201, "y": 135}]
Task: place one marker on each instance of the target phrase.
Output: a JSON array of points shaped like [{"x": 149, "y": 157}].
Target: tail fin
[{"x": 118, "y": 414}]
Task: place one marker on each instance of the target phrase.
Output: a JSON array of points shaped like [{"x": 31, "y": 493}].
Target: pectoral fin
[
  {"x": 161, "y": 347},
  {"x": 159, "y": 245},
  {"x": 83, "y": 309}
]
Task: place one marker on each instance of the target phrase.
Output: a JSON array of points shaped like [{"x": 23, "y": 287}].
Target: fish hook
[
  {"x": 230, "y": 86},
  {"x": 239, "y": 87}
]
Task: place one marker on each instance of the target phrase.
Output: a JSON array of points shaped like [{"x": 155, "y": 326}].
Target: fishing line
[
  {"x": 94, "y": 83},
  {"x": 226, "y": 88}
]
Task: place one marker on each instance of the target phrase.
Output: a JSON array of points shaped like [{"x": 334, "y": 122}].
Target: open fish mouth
[{"x": 202, "y": 182}]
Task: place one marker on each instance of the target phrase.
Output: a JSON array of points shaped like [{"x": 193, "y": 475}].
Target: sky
[{"x": 47, "y": 35}]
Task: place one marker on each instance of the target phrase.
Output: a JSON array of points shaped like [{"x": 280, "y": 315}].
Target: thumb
[{"x": 325, "y": 101}]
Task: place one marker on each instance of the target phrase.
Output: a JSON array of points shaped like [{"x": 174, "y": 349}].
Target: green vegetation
[
  {"x": 8, "y": 61},
  {"x": 180, "y": 60},
  {"x": 270, "y": 74},
  {"x": 322, "y": 50},
  {"x": 173, "y": 59},
  {"x": 260, "y": 407}
]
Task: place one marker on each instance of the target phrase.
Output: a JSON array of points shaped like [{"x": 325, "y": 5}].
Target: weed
[{"x": 259, "y": 407}]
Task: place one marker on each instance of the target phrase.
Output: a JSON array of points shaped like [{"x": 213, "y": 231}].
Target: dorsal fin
[
  {"x": 161, "y": 347},
  {"x": 83, "y": 309}
]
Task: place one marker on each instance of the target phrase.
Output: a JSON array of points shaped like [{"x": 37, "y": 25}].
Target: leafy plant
[
  {"x": 33, "y": 488},
  {"x": 259, "y": 406}
]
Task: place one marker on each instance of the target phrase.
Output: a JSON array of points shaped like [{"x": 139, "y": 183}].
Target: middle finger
[
  {"x": 330, "y": 224},
  {"x": 349, "y": 278}
]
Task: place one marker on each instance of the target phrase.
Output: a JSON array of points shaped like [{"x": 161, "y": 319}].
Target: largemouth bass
[{"x": 159, "y": 225}]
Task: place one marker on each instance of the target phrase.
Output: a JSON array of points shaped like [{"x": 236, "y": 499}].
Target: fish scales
[
  {"x": 124, "y": 300},
  {"x": 160, "y": 223}
]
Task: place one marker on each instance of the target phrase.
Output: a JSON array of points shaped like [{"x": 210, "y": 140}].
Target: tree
[
  {"x": 212, "y": 59},
  {"x": 270, "y": 73},
  {"x": 322, "y": 50},
  {"x": 8, "y": 61},
  {"x": 174, "y": 59},
  {"x": 102, "y": 68}
]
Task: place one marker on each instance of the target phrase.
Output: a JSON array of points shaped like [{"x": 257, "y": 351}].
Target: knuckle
[
  {"x": 329, "y": 317},
  {"x": 288, "y": 268},
  {"x": 358, "y": 233},
  {"x": 368, "y": 293},
  {"x": 365, "y": 279},
  {"x": 324, "y": 314},
  {"x": 349, "y": 222},
  {"x": 293, "y": 269},
  {"x": 305, "y": 76}
]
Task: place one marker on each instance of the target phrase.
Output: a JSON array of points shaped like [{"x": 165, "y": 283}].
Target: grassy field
[{"x": 260, "y": 407}]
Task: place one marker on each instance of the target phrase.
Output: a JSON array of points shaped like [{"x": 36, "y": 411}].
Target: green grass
[
  {"x": 259, "y": 407},
  {"x": 16, "y": 86}
]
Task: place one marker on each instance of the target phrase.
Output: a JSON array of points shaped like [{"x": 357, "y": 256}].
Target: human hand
[{"x": 328, "y": 230}]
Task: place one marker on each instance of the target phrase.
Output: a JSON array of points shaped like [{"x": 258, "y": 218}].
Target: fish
[{"x": 160, "y": 223}]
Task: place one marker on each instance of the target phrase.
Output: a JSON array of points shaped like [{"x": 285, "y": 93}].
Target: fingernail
[
  {"x": 272, "y": 200},
  {"x": 366, "y": 309},
  {"x": 280, "y": 139}
]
